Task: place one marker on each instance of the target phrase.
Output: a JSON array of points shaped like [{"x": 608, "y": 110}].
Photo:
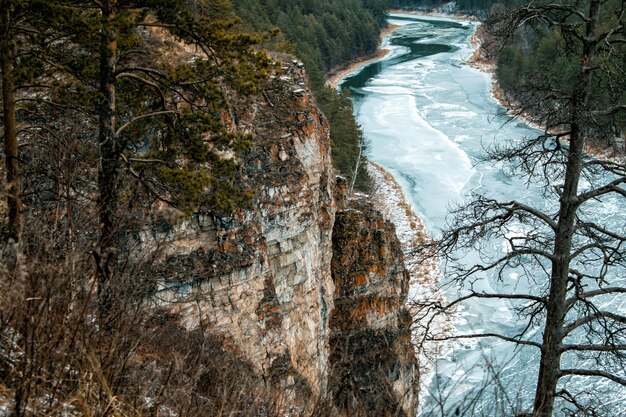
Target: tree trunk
[
  {"x": 550, "y": 367},
  {"x": 10, "y": 124},
  {"x": 109, "y": 161}
]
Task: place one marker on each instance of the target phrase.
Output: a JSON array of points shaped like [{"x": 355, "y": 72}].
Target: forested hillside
[
  {"x": 465, "y": 6},
  {"x": 527, "y": 65},
  {"x": 324, "y": 34}
]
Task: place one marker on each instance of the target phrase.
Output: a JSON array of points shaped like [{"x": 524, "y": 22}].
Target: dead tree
[{"x": 571, "y": 263}]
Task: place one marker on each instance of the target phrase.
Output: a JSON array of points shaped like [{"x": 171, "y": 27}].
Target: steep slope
[
  {"x": 262, "y": 278},
  {"x": 373, "y": 365}
]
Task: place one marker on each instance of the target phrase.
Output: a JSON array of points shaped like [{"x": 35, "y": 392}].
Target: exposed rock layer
[
  {"x": 262, "y": 280},
  {"x": 373, "y": 366}
]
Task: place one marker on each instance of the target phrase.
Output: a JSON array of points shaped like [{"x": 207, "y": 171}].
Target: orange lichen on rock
[{"x": 369, "y": 319}]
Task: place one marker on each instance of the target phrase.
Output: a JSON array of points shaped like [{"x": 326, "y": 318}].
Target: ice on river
[
  {"x": 426, "y": 116},
  {"x": 404, "y": 140}
]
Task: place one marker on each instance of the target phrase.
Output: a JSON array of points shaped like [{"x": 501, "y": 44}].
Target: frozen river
[{"x": 427, "y": 116}]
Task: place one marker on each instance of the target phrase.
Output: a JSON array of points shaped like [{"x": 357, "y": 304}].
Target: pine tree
[{"x": 159, "y": 76}]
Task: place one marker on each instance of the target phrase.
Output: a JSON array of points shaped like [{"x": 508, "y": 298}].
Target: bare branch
[
  {"x": 143, "y": 181},
  {"x": 156, "y": 25},
  {"x": 149, "y": 83},
  {"x": 143, "y": 116},
  {"x": 151, "y": 71},
  {"x": 602, "y": 230},
  {"x": 513, "y": 254},
  {"x": 609, "y": 111},
  {"x": 533, "y": 211},
  {"x": 593, "y": 348},
  {"x": 612, "y": 187},
  {"x": 146, "y": 161},
  {"x": 593, "y": 317},
  {"x": 595, "y": 293},
  {"x": 594, "y": 372},
  {"x": 527, "y": 297},
  {"x": 483, "y": 335}
]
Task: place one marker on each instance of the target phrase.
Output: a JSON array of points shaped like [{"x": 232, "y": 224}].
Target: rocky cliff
[
  {"x": 264, "y": 281},
  {"x": 373, "y": 366},
  {"x": 262, "y": 278}
]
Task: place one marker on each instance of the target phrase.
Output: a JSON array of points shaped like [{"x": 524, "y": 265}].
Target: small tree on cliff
[{"x": 570, "y": 263}]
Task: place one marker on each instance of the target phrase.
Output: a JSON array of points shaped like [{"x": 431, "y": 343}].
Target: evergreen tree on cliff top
[{"x": 158, "y": 79}]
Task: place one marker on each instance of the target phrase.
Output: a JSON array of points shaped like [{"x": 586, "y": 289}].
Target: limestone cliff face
[
  {"x": 263, "y": 279},
  {"x": 373, "y": 365}
]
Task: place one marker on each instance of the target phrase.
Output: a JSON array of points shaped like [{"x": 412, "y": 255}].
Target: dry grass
[{"x": 58, "y": 359}]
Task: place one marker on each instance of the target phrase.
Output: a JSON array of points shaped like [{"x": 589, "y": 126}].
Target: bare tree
[
  {"x": 570, "y": 262},
  {"x": 357, "y": 165}
]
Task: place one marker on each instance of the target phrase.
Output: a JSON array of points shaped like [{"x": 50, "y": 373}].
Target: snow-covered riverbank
[
  {"x": 425, "y": 274},
  {"x": 335, "y": 75}
]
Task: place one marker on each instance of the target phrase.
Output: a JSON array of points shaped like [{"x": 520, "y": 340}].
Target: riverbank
[
  {"x": 338, "y": 73},
  {"x": 458, "y": 16},
  {"x": 481, "y": 61},
  {"x": 425, "y": 275},
  {"x": 389, "y": 198}
]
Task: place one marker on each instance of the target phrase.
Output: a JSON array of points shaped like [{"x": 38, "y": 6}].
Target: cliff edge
[{"x": 298, "y": 294}]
